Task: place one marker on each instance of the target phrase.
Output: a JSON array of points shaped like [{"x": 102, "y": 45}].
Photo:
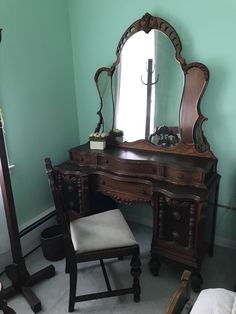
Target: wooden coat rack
[{"x": 17, "y": 271}]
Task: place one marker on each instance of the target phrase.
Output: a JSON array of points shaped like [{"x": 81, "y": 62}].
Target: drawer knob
[
  {"x": 176, "y": 216},
  {"x": 71, "y": 204},
  {"x": 175, "y": 235}
]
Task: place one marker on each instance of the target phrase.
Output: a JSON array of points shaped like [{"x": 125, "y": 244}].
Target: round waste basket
[{"x": 52, "y": 243}]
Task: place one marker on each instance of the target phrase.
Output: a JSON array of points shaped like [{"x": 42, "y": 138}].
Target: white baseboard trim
[
  {"x": 30, "y": 240},
  {"x": 230, "y": 244},
  {"x": 35, "y": 219}
]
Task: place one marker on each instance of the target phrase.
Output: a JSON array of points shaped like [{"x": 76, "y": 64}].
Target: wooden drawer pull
[
  {"x": 175, "y": 235},
  {"x": 176, "y": 215},
  {"x": 70, "y": 188}
]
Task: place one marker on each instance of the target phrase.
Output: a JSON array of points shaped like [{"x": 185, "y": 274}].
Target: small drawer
[
  {"x": 129, "y": 167},
  {"x": 176, "y": 215},
  {"x": 183, "y": 176},
  {"x": 124, "y": 189},
  {"x": 175, "y": 236},
  {"x": 84, "y": 159}
]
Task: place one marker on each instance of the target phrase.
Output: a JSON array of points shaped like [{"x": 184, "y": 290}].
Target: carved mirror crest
[{"x": 150, "y": 93}]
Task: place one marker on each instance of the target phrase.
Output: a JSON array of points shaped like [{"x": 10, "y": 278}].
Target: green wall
[
  {"x": 37, "y": 95},
  {"x": 48, "y": 59},
  {"x": 205, "y": 28}
]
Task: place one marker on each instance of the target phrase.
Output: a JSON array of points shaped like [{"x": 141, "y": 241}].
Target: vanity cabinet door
[{"x": 176, "y": 221}]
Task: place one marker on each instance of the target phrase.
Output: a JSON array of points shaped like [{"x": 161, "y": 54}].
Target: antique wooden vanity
[{"x": 164, "y": 159}]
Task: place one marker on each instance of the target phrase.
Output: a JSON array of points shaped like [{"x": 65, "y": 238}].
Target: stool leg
[
  {"x": 73, "y": 284},
  {"x": 136, "y": 272}
]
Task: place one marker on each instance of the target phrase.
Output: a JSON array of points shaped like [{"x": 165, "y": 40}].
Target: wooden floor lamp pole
[{"x": 17, "y": 272}]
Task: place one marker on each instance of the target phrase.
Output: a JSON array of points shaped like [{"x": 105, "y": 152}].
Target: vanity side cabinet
[{"x": 184, "y": 229}]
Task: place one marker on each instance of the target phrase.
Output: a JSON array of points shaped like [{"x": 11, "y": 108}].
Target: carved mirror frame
[{"x": 196, "y": 77}]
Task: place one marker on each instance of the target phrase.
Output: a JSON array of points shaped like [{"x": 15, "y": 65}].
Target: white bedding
[{"x": 215, "y": 301}]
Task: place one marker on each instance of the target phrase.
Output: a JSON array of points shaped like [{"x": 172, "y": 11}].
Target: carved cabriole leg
[{"x": 136, "y": 272}]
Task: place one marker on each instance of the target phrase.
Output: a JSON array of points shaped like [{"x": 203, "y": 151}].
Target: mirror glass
[
  {"x": 146, "y": 88},
  {"x": 149, "y": 88},
  {"x": 149, "y": 96}
]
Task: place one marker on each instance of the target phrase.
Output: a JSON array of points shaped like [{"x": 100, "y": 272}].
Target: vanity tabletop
[{"x": 141, "y": 156}]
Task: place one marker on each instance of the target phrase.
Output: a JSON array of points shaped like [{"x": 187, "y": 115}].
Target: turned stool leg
[{"x": 135, "y": 272}]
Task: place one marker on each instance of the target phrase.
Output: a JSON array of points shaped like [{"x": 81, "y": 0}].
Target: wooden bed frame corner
[{"x": 181, "y": 295}]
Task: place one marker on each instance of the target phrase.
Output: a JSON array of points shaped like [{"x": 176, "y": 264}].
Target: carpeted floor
[{"x": 219, "y": 271}]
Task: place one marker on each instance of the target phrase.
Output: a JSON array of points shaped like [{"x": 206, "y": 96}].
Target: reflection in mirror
[{"x": 149, "y": 89}]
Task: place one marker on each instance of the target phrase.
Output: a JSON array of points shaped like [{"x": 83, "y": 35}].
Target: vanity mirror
[{"x": 151, "y": 93}]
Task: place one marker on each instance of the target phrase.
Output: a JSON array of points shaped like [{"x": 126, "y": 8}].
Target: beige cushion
[
  {"x": 101, "y": 231},
  {"x": 214, "y": 301}
]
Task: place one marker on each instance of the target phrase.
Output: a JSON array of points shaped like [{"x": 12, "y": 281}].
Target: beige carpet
[{"x": 156, "y": 291}]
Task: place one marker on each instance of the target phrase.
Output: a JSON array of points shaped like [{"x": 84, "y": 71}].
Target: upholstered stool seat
[{"x": 101, "y": 231}]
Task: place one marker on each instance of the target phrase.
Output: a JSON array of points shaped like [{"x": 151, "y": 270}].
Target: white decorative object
[
  {"x": 117, "y": 135},
  {"x": 97, "y": 145},
  {"x": 97, "y": 140}
]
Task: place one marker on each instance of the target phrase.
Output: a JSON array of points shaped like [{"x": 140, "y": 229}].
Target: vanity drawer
[
  {"x": 123, "y": 189},
  {"x": 185, "y": 177},
  {"x": 84, "y": 159},
  {"x": 140, "y": 169}
]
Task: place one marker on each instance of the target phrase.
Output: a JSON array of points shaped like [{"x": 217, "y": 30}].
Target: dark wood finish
[
  {"x": 196, "y": 76},
  {"x": 176, "y": 169},
  {"x": 57, "y": 176},
  {"x": 182, "y": 190},
  {"x": 3, "y": 303},
  {"x": 181, "y": 295},
  {"x": 178, "y": 177},
  {"x": 179, "y": 182}
]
